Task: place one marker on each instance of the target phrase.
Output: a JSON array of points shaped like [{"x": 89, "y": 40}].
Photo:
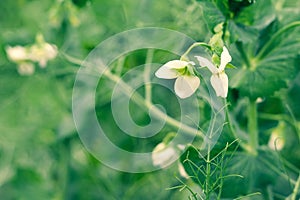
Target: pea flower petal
[
  {"x": 17, "y": 53},
  {"x": 185, "y": 86},
  {"x": 26, "y": 68},
  {"x": 41, "y": 53},
  {"x": 220, "y": 84},
  {"x": 219, "y": 80},
  {"x": 167, "y": 71},
  {"x": 176, "y": 64},
  {"x": 225, "y": 58},
  {"x": 206, "y": 63},
  {"x": 186, "y": 82}
]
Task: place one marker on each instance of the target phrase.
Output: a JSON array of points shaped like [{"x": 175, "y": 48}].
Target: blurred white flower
[
  {"x": 186, "y": 81},
  {"x": 17, "y": 53},
  {"x": 182, "y": 171},
  {"x": 219, "y": 80},
  {"x": 276, "y": 141},
  {"x": 41, "y": 53},
  {"x": 163, "y": 156},
  {"x": 26, "y": 68}
]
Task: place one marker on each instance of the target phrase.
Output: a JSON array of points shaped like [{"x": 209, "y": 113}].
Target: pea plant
[
  {"x": 262, "y": 63},
  {"x": 238, "y": 82}
]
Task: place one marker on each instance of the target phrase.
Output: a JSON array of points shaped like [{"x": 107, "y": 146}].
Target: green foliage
[
  {"x": 42, "y": 156},
  {"x": 275, "y": 60},
  {"x": 40, "y": 152},
  {"x": 265, "y": 49}
]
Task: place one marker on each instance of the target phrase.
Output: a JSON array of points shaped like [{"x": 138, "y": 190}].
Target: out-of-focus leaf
[
  {"x": 275, "y": 65},
  {"x": 250, "y": 17},
  {"x": 211, "y": 13},
  {"x": 237, "y": 6},
  {"x": 257, "y": 171},
  {"x": 287, "y": 11},
  {"x": 245, "y": 26},
  {"x": 80, "y": 3},
  {"x": 242, "y": 33},
  {"x": 293, "y": 97}
]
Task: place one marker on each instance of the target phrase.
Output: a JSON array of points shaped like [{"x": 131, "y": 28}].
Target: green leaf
[
  {"x": 257, "y": 171},
  {"x": 293, "y": 98},
  {"x": 251, "y": 17},
  {"x": 240, "y": 32},
  {"x": 245, "y": 25},
  {"x": 287, "y": 11},
  {"x": 231, "y": 66},
  {"x": 242, "y": 19},
  {"x": 237, "y": 6},
  {"x": 211, "y": 14},
  {"x": 80, "y": 3},
  {"x": 272, "y": 68}
]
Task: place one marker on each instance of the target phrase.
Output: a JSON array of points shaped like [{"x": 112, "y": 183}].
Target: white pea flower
[
  {"x": 186, "y": 81},
  {"x": 17, "y": 53},
  {"x": 277, "y": 140},
  {"x": 41, "y": 53},
  {"x": 163, "y": 156},
  {"x": 219, "y": 80},
  {"x": 26, "y": 68}
]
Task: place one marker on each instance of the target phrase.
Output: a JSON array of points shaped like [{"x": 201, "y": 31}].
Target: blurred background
[{"x": 41, "y": 156}]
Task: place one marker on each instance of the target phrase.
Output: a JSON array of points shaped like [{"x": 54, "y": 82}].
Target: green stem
[
  {"x": 296, "y": 189},
  {"x": 147, "y": 71},
  {"x": 231, "y": 127},
  {"x": 252, "y": 126},
  {"x": 208, "y": 163},
  {"x": 139, "y": 100},
  {"x": 263, "y": 52},
  {"x": 120, "y": 65},
  {"x": 221, "y": 171},
  {"x": 276, "y": 117},
  {"x": 62, "y": 169},
  {"x": 242, "y": 52},
  {"x": 196, "y": 44},
  {"x": 207, "y": 181}
]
